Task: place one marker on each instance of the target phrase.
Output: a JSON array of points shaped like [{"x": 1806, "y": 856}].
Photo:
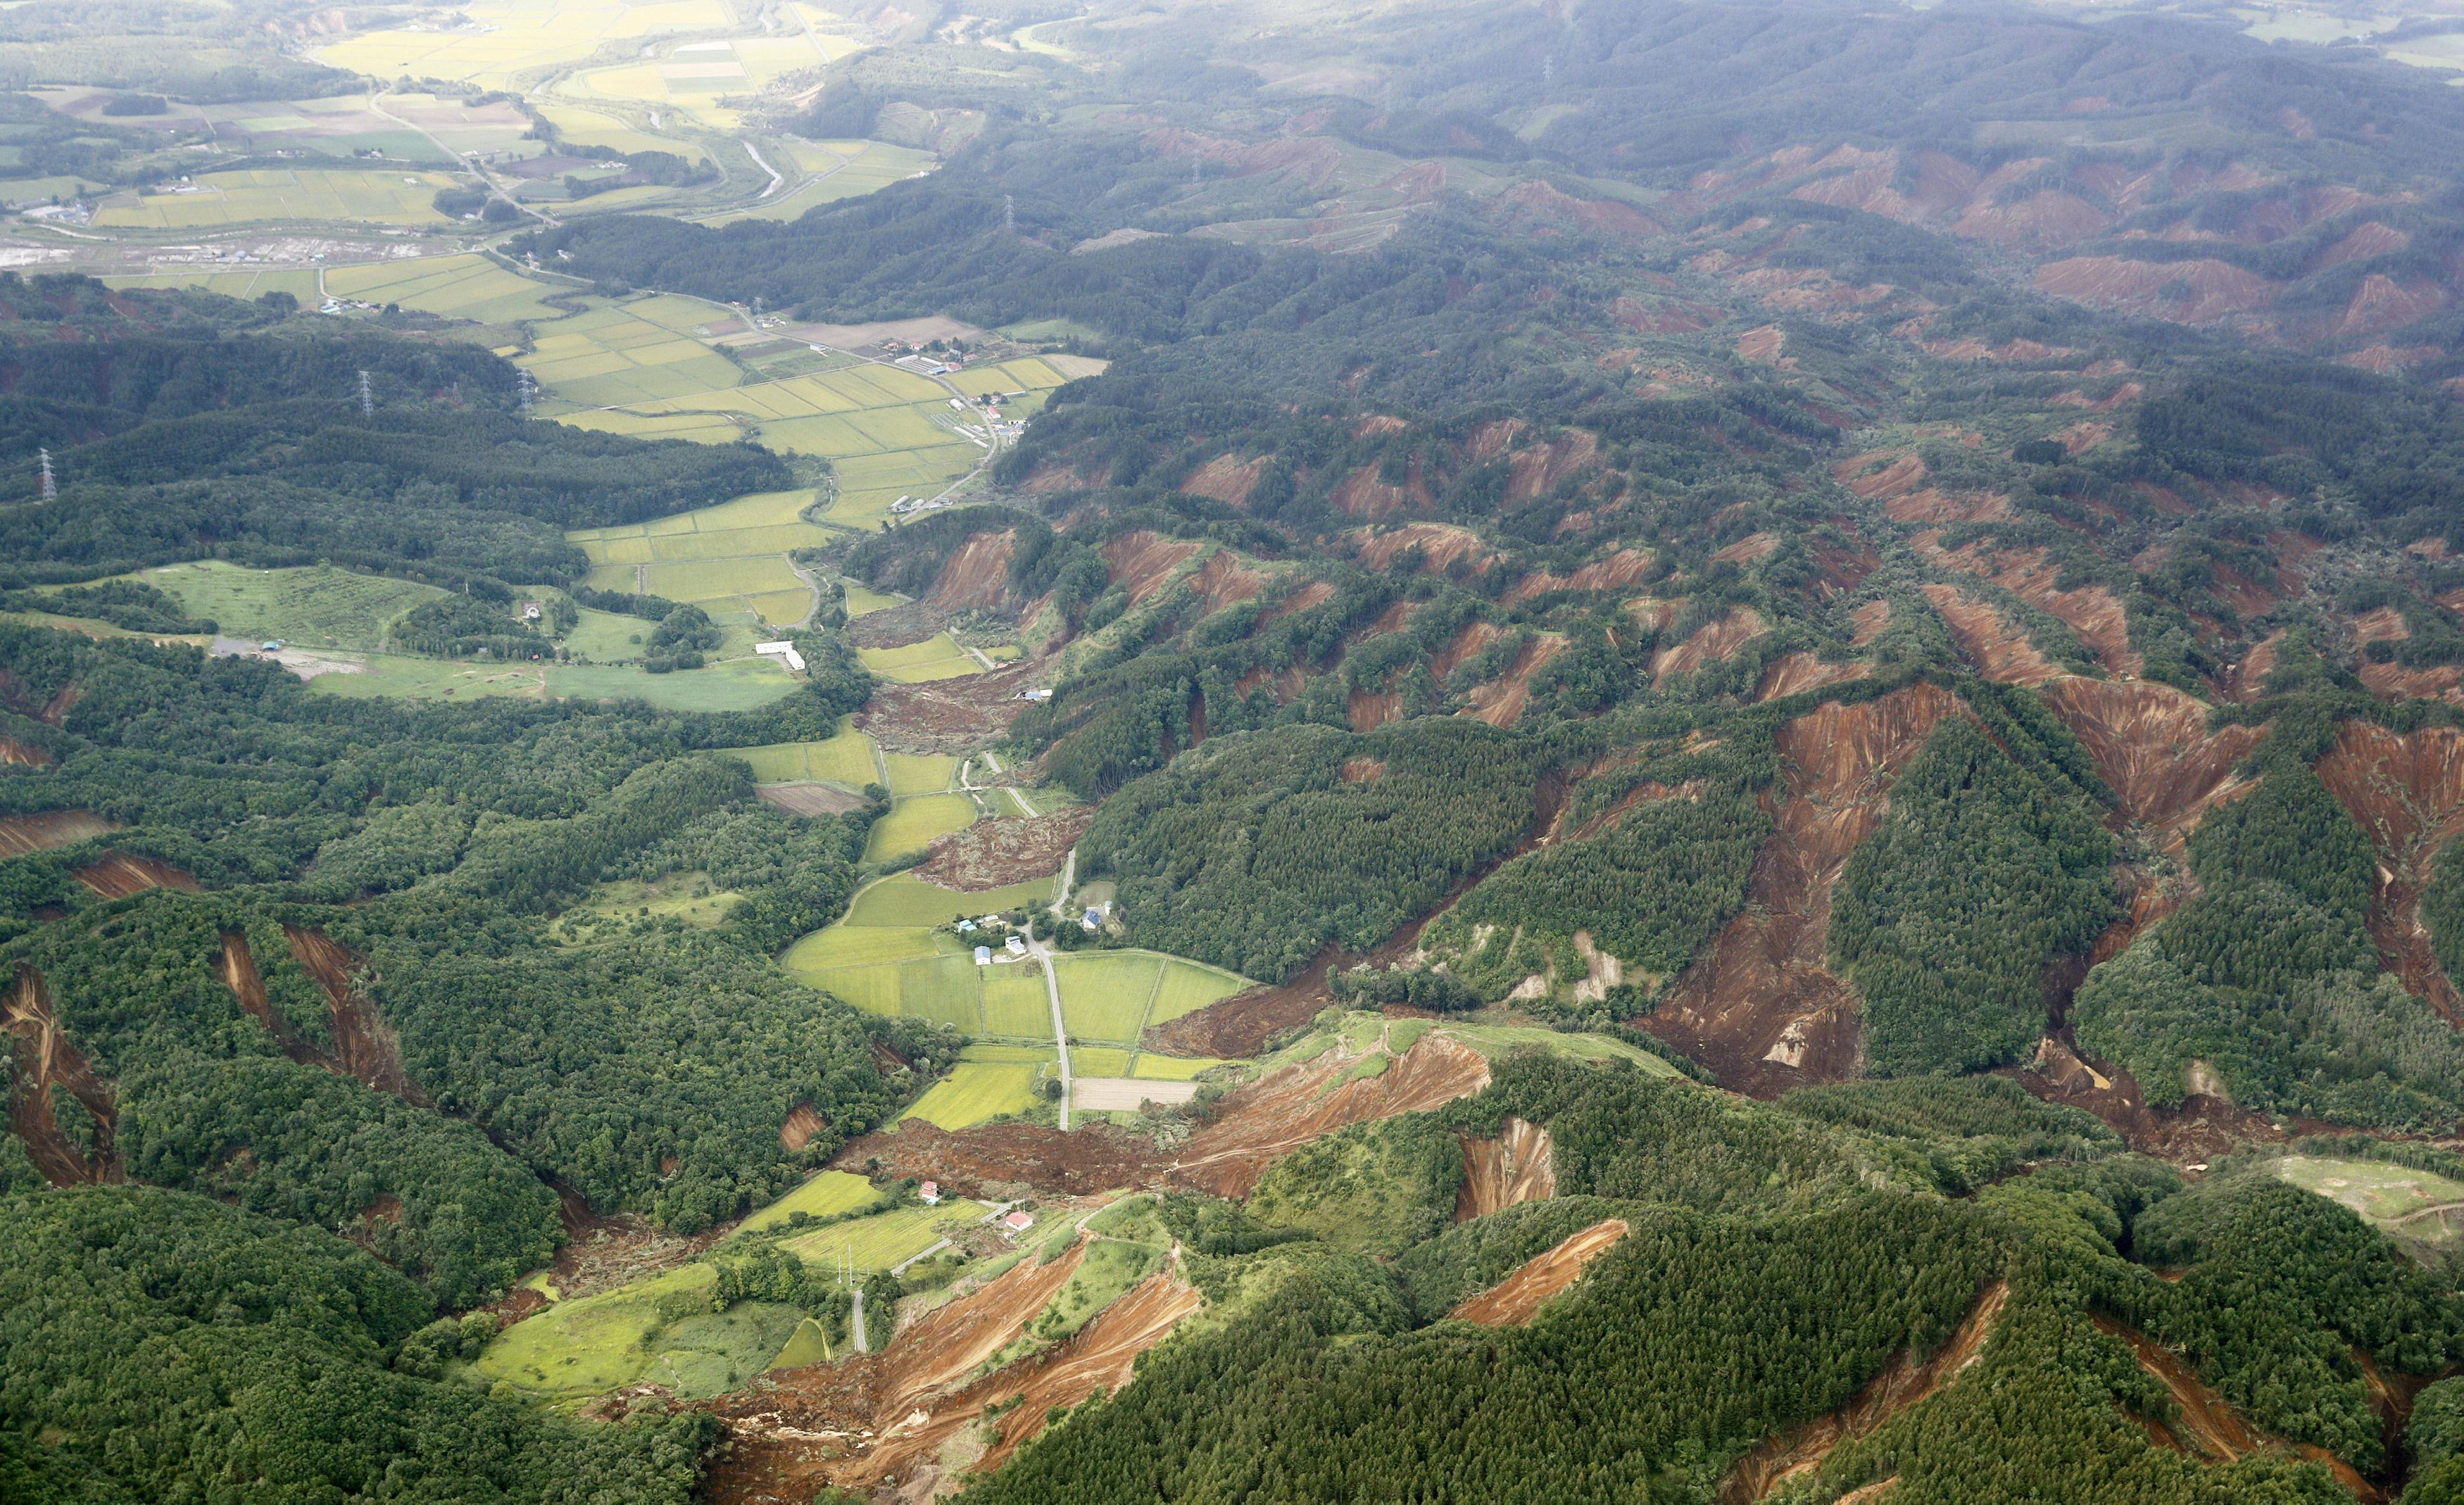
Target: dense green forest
[
  {"x": 181, "y": 435},
  {"x": 1914, "y": 553},
  {"x": 217, "y": 1351},
  {"x": 2269, "y": 979},
  {"x": 1716, "y": 1321},
  {"x": 1256, "y": 851},
  {"x": 1947, "y": 918}
]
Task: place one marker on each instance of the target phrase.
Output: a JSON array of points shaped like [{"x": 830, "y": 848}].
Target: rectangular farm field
[
  {"x": 1015, "y": 1002},
  {"x": 914, "y": 822},
  {"x": 1106, "y": 997}
]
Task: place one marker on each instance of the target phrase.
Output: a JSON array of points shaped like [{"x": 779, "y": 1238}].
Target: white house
[
  {"x": 784, "y": 652},
  {"x": 928, "y": 1193},
  {"x": 1016, "y": 945},
  {"x": 983, "y": 956}
]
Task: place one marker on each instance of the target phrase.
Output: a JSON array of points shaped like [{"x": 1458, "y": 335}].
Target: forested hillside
[{"x": 1704, "y": 753}]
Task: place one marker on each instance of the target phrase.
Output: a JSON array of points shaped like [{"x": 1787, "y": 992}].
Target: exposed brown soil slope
[
  {"x": 116, "y": 875},
  {"x": 1141, "y": 560},
  {"x": 1248, "y": 1131},
  {"x": 1898, "y": 482},
  {"x": 1223, "y": 580},
  {"x": 1518, "y": 1165},
  {"x": 43, "y": 1060},
  {"x": 977, "y": 575},
  {"x": 2200, "y": 291},
  {"x": 1002, "y": 1159},
  {"x": 1762, "y": 1009},
  {"x": 23, "y": 754},
  {"x": 2151, "y": 744},
  {"x": 20, "y": 835},
  {"x": 948, "y": 717},
  {"x": 1102, "y": 1357},
  {"x": 803, "y": 1123},
  {"x": 1439, "y": 544},
  {"x": 2408, "y": 793},
  {"x": 2002, "y": 652},
  {"x": 1796, "y": 673},
  {"x": 1225, "y": 479},
  {"x": 1707, "y": 643},
  {"x": 2091, "y": 610},
  {"x": 872, "y": 1418},
  {"x": 1540, "y": 1280},
  {"x": 992, "y": 853},
  {"x": 1261, "y": 1122},
  {"x": 364, "y": 1043},
  {"x": 237, "y": 969},
  {"x": 1616, "y": 572},
  {"x": 2206, "y": 1425},
  {"x": 1245, "y": 1023},
  {"x": 1903, "y": 1383},
  {"x": 1500, "y": 701}
]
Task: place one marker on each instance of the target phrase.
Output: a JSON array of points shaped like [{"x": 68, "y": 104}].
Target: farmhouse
[{"x": 784, "y": 652}]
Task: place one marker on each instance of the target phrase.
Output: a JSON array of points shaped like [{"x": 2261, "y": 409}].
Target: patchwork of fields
[
  {"x": 727, "y": 558},
  {"x": 887, "y": 957},
  {"x": 655, "y": 366}
]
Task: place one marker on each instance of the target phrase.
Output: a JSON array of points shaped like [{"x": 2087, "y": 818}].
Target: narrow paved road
[
  {"x": 860, "y": 1346},
  {"x": 1043, "y": 955}
]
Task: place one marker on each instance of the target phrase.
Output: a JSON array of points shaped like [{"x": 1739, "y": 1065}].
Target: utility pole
[
  {"x": 367, "y": 397},
  {"x": 51, "y": 488},
  {"x": 1547, "y": 70},
  {"x": 523, "y": 386},
  {"x": 1009, "y": 214},
  {"x": 1197, "y": 165}
]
